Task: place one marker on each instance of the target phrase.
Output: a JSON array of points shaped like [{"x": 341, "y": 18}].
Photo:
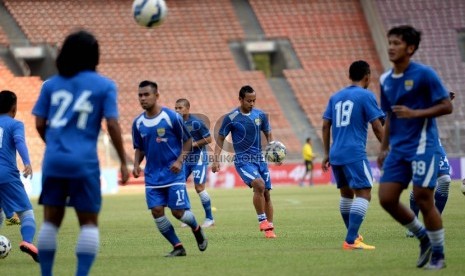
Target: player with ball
[{"x": 245, "y": 123}]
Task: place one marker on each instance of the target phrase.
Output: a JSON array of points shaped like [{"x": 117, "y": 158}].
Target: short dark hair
[
  {"x": 245, "y": 89},
  {"x": 184, "y": 101},
  {"x": 80, "y": 52},
  {"x": 152, "y": 84},
  {"x": 8, "y": 99},
  {"x": 358, "y": 70},
  {"x": 409, "y": 34}
]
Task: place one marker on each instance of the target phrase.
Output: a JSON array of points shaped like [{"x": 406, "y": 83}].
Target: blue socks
[
  {"x": 357, "y": 215},
  {"x": 206, "y": 203},
  {"x": 167, "y": 230}
]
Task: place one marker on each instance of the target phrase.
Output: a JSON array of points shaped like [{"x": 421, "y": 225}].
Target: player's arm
[
  {"x": 443, "y": 107},
  {"x": 378, "y": 130},
  {"x": 268, "y": 136},
  {"x": 385, "y": 141},
  {"x": 41, "y": 125},
  {"x": 217, "y": 153},
  {"x": 21, "y": 147},
  {"x": 202, "y": 142},
  {"x": 114, "y": 131},
  {"x": 326, "y": 132},
  {"x": 138, "y": 158},
  {"x": 176, "y": 167}
]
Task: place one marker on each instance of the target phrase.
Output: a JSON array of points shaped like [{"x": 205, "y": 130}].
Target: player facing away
[
  {"x": 69, "y": 113},
  {"x": 196, "y": 162},
  {"x": 347, "y": 116},
  {"x": 160, "y": 136},
  {"x": 13, "y": 196},
  {"x": 441, "y": 193},
  {"x": 246, "y": 123},
  {"x": 307, "y": 155},
  {"x": 412, "y": 95}
]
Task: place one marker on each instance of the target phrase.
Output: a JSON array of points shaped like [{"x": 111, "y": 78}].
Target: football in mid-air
[
  {"x": 5, "y": 247},
  {"x": 462, "y": 187},
  {"x": 275, "y": 151},
  {"x": 149, "y": 13}
]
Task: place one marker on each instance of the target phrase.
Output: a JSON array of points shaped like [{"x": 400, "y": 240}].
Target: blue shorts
[
  {"x": 198, "y": 171},
  {"x": 356, "y": 175},
  {"x": 444, "y": 167},
  {"x": 175, "y": 197},
  {"x": 420, "y": 169},
  {"x": 83, "y": 194},
  {"x": 14, "y": 198},
  {"x": 253, "y": 170}
]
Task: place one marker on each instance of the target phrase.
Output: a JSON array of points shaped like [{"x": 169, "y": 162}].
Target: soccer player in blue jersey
[
  {"x": 196, "y": 162},
  {"x": 347, "y": 115},
  {"x": 246, "y": 123},
  {"x": 412, "y": 95},
  {"x": 69, "y": 113},
  {"x": 160, "y": 136},
  {"x": 13, "y": 196}
]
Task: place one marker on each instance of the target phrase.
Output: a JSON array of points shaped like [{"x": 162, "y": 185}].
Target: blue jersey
[
  {"x": 418, "y": 87},
  {"x": 198, "y": 131},
  {"x": 246, "y": 134},
  {"x": 161, "y": 138},
  {"x": 74, "y": 108},
  {"x": 10, "y": 130},
  {"x": 350, "y": 110}
]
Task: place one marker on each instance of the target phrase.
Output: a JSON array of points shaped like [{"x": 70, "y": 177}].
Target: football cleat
[
  {"x": 359, "y": 238},
  {"x": 436, "y": 263},
  {"x": 269, "y": 234},
  {"x": 30, "y": 249},
  {"x": 265, "y": 225},
  {"x": 409, "y": 234},
  {"x": 357, "y": 245},
  {"x": 14, "y": 220},
  {"x": 208, "y": 223},
  {"x": 425, "y": 253},
  {"x": 202, "y": 241},
  {"x": 178, "y": 251}
]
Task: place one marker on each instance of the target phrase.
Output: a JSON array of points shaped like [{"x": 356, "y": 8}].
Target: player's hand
[
  {"x": 27, "y": 171},
  {"x": 215, "y": 167},
  {"x": 325, "y": 164},
  {"x": 124, "y": 174},
  {"x": 381, "y": 156},
  {"x": 136, "y": 171},
  {"x": 403, "y": 112},
  {"x": 176, "y": 167}
]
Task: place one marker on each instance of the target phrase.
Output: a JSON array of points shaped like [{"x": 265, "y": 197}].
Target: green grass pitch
[{"x": 308, "y": 224}]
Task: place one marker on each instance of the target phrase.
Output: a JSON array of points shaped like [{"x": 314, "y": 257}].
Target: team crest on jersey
[
  {"x": 408, "y": 85},
  {"x": 258, "y": 121},
  {"x": 161, "y": 131}
]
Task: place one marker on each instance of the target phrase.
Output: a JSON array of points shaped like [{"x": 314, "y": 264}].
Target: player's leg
[
  {"x": 53, "y": 196},
  {"x": 15, "y": 199},
  {"x": 156, "y": 200},
  {"x": 310, "y": 172},
  {"x": 397, "y": 175},
  {"x": 441, "y": 194},
  {"x": 302, "y": 180},
  {"x": 347, "y": 194},
  {"x": 424, "y": 181},
  {"x": 360, "y": 179},
  {"x": 179, "y": 204},
  {"x": 85, "y": 195},
  {"x": 249, "y": 173},
  {"x": 200, "y": 178}
]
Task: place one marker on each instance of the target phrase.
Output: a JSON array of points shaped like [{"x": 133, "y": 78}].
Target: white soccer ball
[
  {"x": 149, "y": 13},
  {"x": 275, "y": 151},
  {"x": 5, "y": 247},
  {"x": 462, "y": 187}
]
